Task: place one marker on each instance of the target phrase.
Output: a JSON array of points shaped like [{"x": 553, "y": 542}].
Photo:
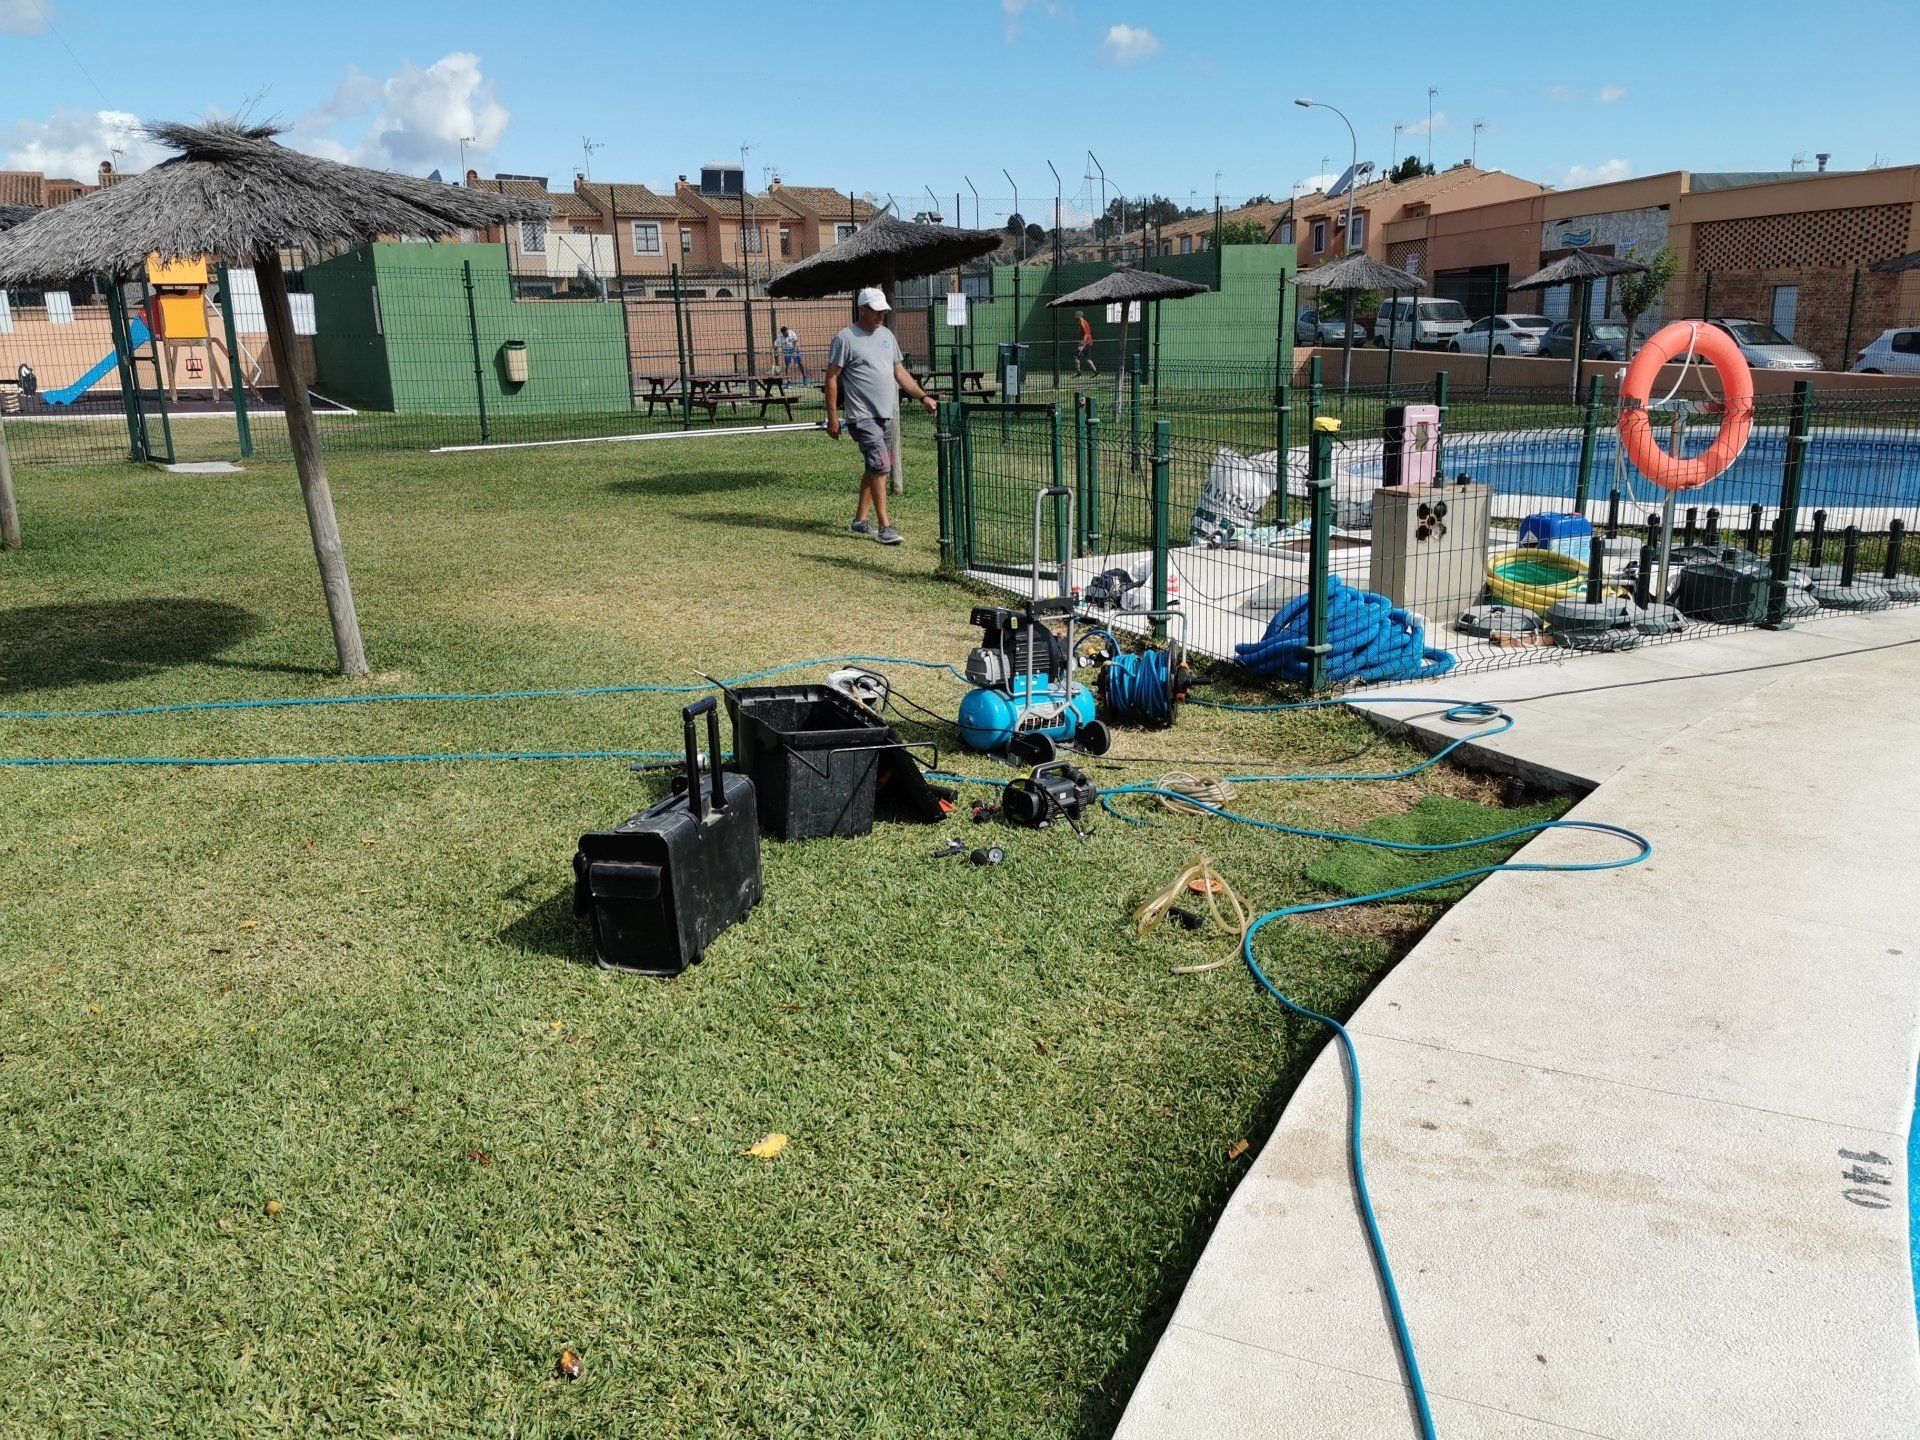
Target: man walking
[
  {"x": 1084, "y": 355},
  {"x": 864, "y": 367}
]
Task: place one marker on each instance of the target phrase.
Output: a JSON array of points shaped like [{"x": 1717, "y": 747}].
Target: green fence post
[
  {"x": 1134, "y": 379},
  {"x": 1093, "y": 475},
  {"x": 1157, "y": 307},
  {"x": 479, "y": 371},
  {"x": 1062, "y": 540},
  {"x": 1162, "y": 476},
  {"x": 1313, "y": 387},
  {"x": 964, "y": 531},
  {"x": 1589, "y": 433},
  {"x": 1853, "y": 310},
  {"x": 943, "y": 469},
  {"x": 1080, "y": 471},
  {"x": 1320, "y": 492},
  {"x": 1787, "y": 527},
  {"x": 1282, "y": 420},
  {"x": 1706, "y": 299},
  {"x": 159, "y": 380},
  {"x": 1393, "y": 337},
  {"x": 1440, "y": 427},
  {"x": 123, "y": 362},
  {"x": 680, "y": 348},
  {"x": 234, "y": 382}
]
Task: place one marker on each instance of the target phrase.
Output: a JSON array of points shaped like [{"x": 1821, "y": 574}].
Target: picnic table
[
  {"x": 974, "y": 384},
  {"x": 710, "y": 392}
]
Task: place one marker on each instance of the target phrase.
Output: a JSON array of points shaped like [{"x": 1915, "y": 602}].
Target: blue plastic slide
[{"x": 67, "y": 394}]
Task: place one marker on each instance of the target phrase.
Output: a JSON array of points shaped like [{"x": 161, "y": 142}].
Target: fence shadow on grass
[
  {"x": 98, "y": 643},
  {"x": 745, "y": 520},
  {"x": 697, "y": 482}
]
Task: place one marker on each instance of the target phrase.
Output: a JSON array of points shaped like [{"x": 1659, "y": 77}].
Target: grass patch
[
  {"x": 355, "y": 998},
  {"x": 1352, "y": 869}
]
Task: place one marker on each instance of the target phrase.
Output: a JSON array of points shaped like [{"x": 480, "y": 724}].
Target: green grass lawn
[{"x": 314, "y": 1120}]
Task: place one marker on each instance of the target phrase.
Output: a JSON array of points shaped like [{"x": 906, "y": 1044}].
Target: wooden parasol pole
[
  {"x": 9, "y": 513},
  {"x": 313, "y": 471},
  {"x": 897, "y": 480}
]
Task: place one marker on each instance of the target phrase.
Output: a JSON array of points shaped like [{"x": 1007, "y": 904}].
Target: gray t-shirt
[{"x": 868, "y": 390}]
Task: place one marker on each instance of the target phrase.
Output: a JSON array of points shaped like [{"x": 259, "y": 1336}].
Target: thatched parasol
[
  {"x": 12, "y": 215},
  {"x": 233, "y": 194},
  {"x": 883, "y": 252},
  {"x": 1898, "y": 265},
  {"x": 1123, "y": 285},
  {"x": 1357, "y": 270},
  {"x": 1580, "y": 270}
]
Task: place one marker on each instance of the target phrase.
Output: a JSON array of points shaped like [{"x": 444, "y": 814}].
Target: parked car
[
  {"x": 1508, "y": 334},
  {"x": 1312, "y": 328},
  {"x": 1896, "y": 352},
  {"x": 1606, "y": 340},
  {"x": 1765, "y": 347},
  {"x": 1410, "y": 322}
]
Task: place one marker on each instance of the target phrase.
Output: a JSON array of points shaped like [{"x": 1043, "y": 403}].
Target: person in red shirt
[{"x": 1084, "y": 355}]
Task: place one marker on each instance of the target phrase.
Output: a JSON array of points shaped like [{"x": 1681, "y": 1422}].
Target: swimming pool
[{"x": 1843, "y": 468}]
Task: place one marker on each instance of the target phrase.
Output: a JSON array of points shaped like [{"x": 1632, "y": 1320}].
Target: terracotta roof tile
[{"x": 23, "y": 187}]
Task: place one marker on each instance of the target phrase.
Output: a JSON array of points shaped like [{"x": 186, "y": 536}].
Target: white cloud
[
  {"x": 1610, "y": 93},
  {"x": 1128, "y": 45},
  {"x": 413, "y": 120},
  {"x": 26, "y": 17},
  {"x": 1562, "y": 93},
  {"x": 1604, "y": 173},
  {"x": 1422, "y": 125},
  {"x": 72, "y": 143},
  {"x": 1016, "y": 10}
]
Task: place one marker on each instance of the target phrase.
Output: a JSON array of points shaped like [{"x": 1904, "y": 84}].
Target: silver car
[
  {"x": 1312, "y": 328},
  {"x": 1765, "y": 347}
]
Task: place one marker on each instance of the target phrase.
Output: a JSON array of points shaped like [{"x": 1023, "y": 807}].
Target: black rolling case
[{"x": 657, "y": 889}]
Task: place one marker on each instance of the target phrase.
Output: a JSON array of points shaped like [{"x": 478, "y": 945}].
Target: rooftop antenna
[
  {"x": 465, "y": 140},
  {"x": 587, "y": 147},
  {"x": 1432, "y": 90},
  {"x": 1799, "y": 159},
  {"x": 1474, "y": 158},
  {"x": 1395, "y": 156}
]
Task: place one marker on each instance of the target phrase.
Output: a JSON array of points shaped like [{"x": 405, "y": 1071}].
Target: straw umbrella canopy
[
  {"x": 1357, "y": 270},
  {"x": 1123, "y": 286},
  {"x": 1580, "y": 270},
  {"x": 12, "y": 215},
  {"x": 1898, "y": 265},
  {"x": 233, "y": 194},
  {"x": 883, "y": 252}
]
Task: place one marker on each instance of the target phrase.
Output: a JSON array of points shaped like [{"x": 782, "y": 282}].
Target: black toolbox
[{"x": 658, "y": 888}]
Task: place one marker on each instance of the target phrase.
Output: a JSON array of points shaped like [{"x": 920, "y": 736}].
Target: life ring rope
[{"x": 1676, "y": 472}]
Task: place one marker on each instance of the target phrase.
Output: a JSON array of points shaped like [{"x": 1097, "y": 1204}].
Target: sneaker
[
  {"x": 888, "y": 535},
  {"x": 862, "y": 527}
]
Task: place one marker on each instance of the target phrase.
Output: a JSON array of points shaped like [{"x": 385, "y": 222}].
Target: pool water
[{"x": 1842, "y": 468}]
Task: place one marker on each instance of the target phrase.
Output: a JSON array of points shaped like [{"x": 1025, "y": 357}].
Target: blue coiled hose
[
  {"x": 1369, "y": 639},
  {"x": 1139, "y": 687}
]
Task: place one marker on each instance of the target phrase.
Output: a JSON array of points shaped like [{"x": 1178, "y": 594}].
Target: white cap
[{"x": 873, "y": 298}]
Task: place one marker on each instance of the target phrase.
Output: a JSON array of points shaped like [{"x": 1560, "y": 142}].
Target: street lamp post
[{"x": 1346, "y": 355}]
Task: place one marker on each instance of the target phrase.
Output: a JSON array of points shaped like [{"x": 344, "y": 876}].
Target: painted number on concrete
[{"x": 1867, "y": 1187}]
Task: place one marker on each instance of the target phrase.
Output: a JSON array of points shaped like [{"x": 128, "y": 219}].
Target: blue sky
[{"x": 889, "y": 99}]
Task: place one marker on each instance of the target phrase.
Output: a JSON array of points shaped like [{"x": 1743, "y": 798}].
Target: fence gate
[{"x": 1001, "y": 458}]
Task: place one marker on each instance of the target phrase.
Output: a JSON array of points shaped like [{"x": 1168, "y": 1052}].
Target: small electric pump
[{"x": 1054, "y": 791}]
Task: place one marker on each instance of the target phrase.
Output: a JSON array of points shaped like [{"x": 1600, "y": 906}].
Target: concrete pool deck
[{"x": 1636, "y": 1139}]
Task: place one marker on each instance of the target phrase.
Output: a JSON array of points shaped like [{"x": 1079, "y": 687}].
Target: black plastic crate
[{"x": 812, "y": 755}]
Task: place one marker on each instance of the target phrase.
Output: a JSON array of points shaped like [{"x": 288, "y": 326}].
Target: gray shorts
[{"x": 875, "y": 439}]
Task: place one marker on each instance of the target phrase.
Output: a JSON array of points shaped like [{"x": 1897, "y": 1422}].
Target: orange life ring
[{"x": 1715, "y": 346}]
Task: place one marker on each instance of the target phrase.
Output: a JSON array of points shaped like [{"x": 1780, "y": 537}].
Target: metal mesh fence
[{"x": 1501, "y": 528}]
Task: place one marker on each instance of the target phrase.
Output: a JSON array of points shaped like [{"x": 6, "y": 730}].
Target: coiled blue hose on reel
[
  {"x": 1139, "y": 687},
  {"x": 1370, "y": 639}
]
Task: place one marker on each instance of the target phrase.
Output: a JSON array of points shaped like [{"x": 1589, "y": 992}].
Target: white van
[{"x": 1412, "y": 322}]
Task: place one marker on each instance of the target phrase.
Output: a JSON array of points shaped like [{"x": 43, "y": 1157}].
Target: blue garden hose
[
  {"x": 1369, "y": 639},
  {"x": 1139, "y": 687}
]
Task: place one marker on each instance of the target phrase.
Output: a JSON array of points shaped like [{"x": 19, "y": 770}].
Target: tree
[
  {"x": 1036, "y": 235},
  {"x": 1242, "y": 232},
  {"x": 1411, "y": 168},
  {"x": 1152, "y": 210},
  {"x": 1640, "y": 293},
  {"x": 1016, "y": 224}
]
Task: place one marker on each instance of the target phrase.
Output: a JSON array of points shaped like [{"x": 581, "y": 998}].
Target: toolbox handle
[
  {"x": 696, "y": 801},
  {"x": 824, "y": 772}
]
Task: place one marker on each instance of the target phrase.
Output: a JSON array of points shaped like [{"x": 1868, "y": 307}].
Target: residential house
[
  {"x": 41, "y": 192},
  {"x": 1781, "y": 247},
  {"x": 552, "y": 251}
]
